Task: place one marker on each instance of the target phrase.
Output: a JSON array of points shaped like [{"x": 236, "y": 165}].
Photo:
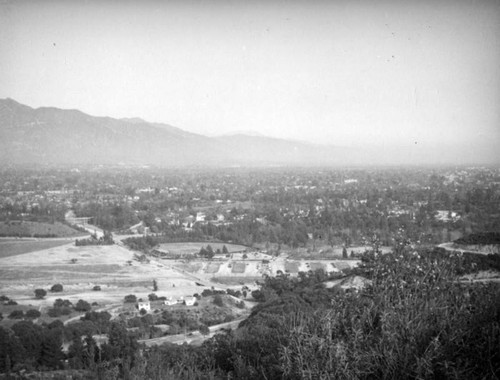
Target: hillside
[{"x": 49, "y": 135}]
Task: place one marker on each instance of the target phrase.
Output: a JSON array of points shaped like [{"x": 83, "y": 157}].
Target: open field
[
  {"x": 238, "y": 267},
  {"x": 317, "y": 266},
  {"x": 210, "y": 268},
  {"x": 13, "y": 247},
  {"x": 292, "y": 267},
  {"x": 118, "y": 272},
  {"x": 79, "y": 269},
  {"x": 34, "y": 229}
]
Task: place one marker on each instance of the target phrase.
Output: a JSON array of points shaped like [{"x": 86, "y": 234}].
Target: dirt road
[
  {"x": 194, "y": 337},
  {"x": 451, "y": 248}
]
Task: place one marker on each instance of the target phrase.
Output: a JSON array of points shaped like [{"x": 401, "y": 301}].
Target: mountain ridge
[{"x": 50, "y": 135}]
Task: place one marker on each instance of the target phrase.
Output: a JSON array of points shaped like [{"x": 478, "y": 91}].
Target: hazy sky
[{"x": 339, "y": 72}]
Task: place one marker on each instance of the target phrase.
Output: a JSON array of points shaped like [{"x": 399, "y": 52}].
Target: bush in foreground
[
  {"x": 416, "y": 320},
  {"x": 16, "y": 314},
  {"x": 56, "y": 288},
  {"x": 40, "y": 293},
  {"x": 82, "y": 305},
  {"x": 131, "y": 298},
  {"x": 33, "y": 314}
]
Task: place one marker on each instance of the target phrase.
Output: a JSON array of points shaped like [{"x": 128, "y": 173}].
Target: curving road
[{"x": 194, "y": 337}]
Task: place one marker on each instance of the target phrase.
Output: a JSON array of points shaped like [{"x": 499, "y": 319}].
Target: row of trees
[
  {"x": 106, "y": 239},
  {"x": 41, "y": 293},
  {"x": 209, "y": 252}
]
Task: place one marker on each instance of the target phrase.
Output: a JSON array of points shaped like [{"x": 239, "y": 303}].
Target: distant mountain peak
[
  {"x": 52, "y": 136},
  {"x": 49, "y": 135},
  {"x": 134, "y": 120},
  {"x": 249, "y": 133}
]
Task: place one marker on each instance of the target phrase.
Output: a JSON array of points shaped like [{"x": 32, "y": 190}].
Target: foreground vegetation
[
  {"x": 484, "y": 238},
  {"x": 415, "y": 320}
]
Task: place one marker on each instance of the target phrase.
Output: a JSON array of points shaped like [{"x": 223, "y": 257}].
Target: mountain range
[{"x": 52, "y": 136}]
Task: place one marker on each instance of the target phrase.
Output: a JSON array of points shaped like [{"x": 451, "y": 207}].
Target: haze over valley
[
  {"x": 49, "y": 135},
  {"x": 264, "y": 189}
]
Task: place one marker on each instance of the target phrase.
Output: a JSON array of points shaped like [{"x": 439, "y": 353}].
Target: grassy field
[
  {"x": 190, "y": 248},
  {"x": 212, "y": 267},
  {"x": 18, "y": 247},
  {"x": 292, "y": 266},
  {"x": 244, "y": 280},
  {"x": 34, "y": 229},
  {"x": 190, "y": 267},
  {"x": 317, "y": 266},
  {"x": 238, "y": 267}
]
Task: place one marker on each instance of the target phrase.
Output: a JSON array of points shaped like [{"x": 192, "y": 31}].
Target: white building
[
  {"x": 144, "y": 305},
  {"x": 170, "y": 301},
  {"x": 190, "y": 301}
]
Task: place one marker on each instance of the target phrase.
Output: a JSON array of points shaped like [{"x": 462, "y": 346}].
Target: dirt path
[
  {"x": 108, "y": 308},
  {"x": 194, "y": 337},
  {"x": 450, "y": 248},
  {"x": 191, "y": 276}
]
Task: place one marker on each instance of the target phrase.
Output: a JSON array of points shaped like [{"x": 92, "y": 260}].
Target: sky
[{"x": 348, "y": 73}]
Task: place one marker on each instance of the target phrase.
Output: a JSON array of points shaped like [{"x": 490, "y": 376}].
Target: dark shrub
[
  {"x": 82, "y": 305},
  {"x": 56, "y": 288},
  {"x": 54, "y": 312},
  {"x": 131, "y": 298},
  {"x": 218, "y": 300},
  {"x": 57, "y": 324},
  {"x": 206, "y": 293},
  {"x": 40, "y": 293},
  {"x": 153, "y": 297},
  {"x": 62, "y": 303},
  {"x": 33, "y": 314},
  {"x": 16, "y": 314}
]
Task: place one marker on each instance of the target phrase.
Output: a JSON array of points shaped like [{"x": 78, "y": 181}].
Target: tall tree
[
  {"x": 12, "y": 351},
  {"x": 30, "y": 336},
  {"x": 51, "y": 354}
]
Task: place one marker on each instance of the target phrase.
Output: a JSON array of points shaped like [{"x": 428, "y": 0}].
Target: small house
[
  {"x": 170, "y": 301},
  {"x": 190, "y": 301},
  {"x": 144, "y": 305}
]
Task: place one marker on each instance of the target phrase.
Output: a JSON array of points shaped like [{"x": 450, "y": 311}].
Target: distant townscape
[{"x": 136, "y": 272}]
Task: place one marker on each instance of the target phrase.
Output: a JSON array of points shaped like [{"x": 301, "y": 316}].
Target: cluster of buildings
[{"x": 169, "y": 301}]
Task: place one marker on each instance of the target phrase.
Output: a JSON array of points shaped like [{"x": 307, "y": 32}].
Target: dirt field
[
  {"x": 117, "y": 271},
  {"x": 79, "y": 269},
  {"x": 13, "y": 247},
  {"x": 23, "y": 228}
]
